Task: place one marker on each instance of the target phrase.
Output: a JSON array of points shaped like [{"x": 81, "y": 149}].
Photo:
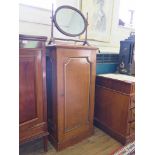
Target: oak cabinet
[
  {"x": 115, "y": 106},
  {"x": 32, "y": 89},
  {"x": 70, "y": 93}
]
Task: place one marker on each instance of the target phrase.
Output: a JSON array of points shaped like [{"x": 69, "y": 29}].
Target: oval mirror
[{"x": 70, "y": 21}]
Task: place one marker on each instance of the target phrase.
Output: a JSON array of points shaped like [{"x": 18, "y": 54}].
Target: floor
[{"x": 98, "y": 144}]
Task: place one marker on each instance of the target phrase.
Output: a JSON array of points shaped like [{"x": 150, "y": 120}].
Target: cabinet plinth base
[{"x": 62, "y": 145}]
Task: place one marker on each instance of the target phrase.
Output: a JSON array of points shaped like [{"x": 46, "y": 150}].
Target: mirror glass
[{"x": 69, "y": 21}]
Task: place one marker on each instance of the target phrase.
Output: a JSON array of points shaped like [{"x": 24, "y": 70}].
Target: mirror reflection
[{"x": 70, "y": 21}]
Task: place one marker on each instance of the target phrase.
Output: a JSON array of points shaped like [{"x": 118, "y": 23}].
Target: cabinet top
[
  {"x": 30, "y": 41},
  {"x": 32, "y": 37},
  {"x": 71, "y": 46},
  {"x": 120, "y": 77}
]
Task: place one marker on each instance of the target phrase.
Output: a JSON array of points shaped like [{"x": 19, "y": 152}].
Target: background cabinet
[
  {"x": 32, "y": 90},
  {"x": 115, "y": 106},
  {"x": 70, "y": 93}
]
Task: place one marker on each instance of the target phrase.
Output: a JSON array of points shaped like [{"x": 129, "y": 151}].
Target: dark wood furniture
[
  {"x": 32, "y": 89},
  {"x": 115, "y": 106},
  {"x": 71, "y": 72}
]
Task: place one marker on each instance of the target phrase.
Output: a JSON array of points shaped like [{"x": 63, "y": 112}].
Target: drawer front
[
  {"x": 29, "y": 133},
  {"x": 132, "y": 102},
  {"x": 133, "y": 88},
  {"x": 131, "y": 128},
  {"x": 132, "y": 115}
]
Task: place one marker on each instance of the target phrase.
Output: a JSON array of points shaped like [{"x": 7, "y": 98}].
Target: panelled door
[
  {"x": 30, "y": 89},
  {"x": 75, "y": 92}
]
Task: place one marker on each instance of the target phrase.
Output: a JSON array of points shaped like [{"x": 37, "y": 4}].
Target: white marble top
[{"x": 120, "y": 77}]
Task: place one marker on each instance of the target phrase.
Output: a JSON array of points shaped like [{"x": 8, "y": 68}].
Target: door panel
[
  {"x": 27, "y": 97},
  {"x": 74, "y": 89},
  {"x": 30, "y": 87},
  {"x": 77, "y": 87}
]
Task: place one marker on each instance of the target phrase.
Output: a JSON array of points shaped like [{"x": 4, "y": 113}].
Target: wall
[{"x": 36, "y": 21}]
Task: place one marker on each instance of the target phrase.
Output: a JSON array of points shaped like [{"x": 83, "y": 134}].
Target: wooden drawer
[
  {"x": 131, "y": 115},
  {"x": 132, "y": 102},
  {"x": 29, "y": 133},
  {"x": 133, "y": 88},
  {"x": 132, "y": 128}
]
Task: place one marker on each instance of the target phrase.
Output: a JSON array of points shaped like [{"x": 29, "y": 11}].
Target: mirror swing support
[
  {"x": 54, "y": 22},
  {"x": 52, "y": 41}
]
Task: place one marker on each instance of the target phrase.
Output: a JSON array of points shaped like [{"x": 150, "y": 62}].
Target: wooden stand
[{"x": 71, "y": 74}]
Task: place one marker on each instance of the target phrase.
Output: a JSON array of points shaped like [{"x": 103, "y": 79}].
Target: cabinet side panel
[
  {"x": 49, "y": 85},
  {"x": 51, "y": 93},
  {"x": 111, "y": 109}
]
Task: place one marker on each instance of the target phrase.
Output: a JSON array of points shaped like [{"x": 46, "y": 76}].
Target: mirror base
[{"x": 52, "y": 41}]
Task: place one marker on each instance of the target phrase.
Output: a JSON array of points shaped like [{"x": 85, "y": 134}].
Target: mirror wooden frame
[
  {"x": 60, "y": 29},
  {"x": 53, "y": 20}
]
